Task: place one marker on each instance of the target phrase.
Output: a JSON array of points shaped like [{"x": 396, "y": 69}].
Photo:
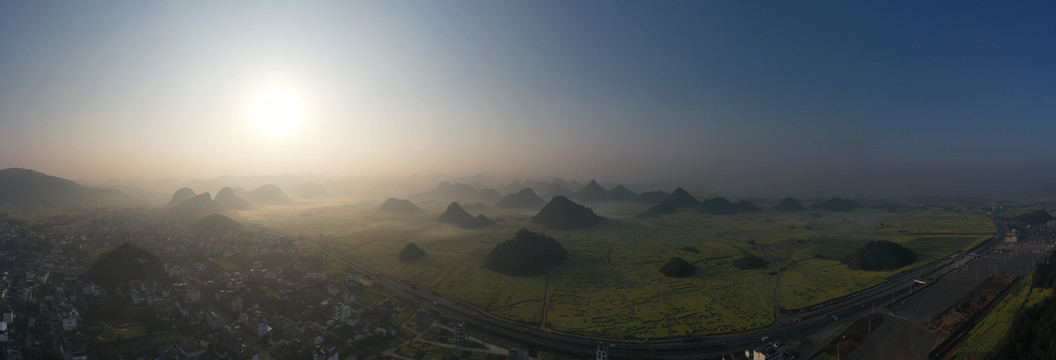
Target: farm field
[
  {"x": 992, "y": 329},
  {"x": 611, "y": 286}
]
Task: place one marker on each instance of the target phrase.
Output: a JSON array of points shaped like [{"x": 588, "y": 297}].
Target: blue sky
[{"x": 765, "y": 98}]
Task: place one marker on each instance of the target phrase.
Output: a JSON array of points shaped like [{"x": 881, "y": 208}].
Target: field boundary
[{"x": 947, "y": 346}]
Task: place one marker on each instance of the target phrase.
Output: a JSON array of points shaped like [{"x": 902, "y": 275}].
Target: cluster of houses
[{"x": 224, "y": 300}]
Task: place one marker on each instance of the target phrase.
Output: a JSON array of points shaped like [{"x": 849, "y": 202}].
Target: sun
[{"x": 276, "y": 112}]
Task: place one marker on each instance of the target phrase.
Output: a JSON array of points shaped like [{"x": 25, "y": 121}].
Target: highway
[{"x": 712, "y": 346}]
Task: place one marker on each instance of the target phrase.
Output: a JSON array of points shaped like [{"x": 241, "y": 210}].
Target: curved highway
[{"x": 710, "y": 346}]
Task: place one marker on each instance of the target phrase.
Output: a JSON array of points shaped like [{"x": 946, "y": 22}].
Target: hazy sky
[{"x": 840, "y": 97}]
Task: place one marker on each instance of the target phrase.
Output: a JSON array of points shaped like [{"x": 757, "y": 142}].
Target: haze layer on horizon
[{"x": 753, "y": 98}]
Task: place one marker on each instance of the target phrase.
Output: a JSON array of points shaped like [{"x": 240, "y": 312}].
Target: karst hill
[{"x": 562, "y": 213}]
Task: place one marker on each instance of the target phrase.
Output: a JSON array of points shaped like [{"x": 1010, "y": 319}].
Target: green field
[
  {"x": 992, "y": 329},
  {"x": 611, "y": 286}
]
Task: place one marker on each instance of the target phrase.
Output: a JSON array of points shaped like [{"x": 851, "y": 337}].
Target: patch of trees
[
  {"x": 691, "y": 249},
  {"x": 677, "y": 268},
  {"x": 411, "y": 252},
  {"x": 836, "y": 204},
  {"x": 1033, "y": 332},
  {"x": 126, "y": 262},
  {"x": 880, "y": 255},
  {"x": 526, "y": 254},
  {"x": 1033, "y": 218},
  {"x": 749, "y": 262},
  {"x": 216, "y": 223}
]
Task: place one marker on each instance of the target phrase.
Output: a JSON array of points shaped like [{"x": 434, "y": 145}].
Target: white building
[{"x": 342, "y": 312}]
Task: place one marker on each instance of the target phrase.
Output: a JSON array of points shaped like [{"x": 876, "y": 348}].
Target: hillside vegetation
[
  {"x": 879, "y": 256},
  {"x": 526, "y": 254},
  {"x": 126, "y": 262}
]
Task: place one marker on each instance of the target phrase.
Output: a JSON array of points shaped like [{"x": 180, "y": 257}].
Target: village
[{"x": 228, "y": 295}]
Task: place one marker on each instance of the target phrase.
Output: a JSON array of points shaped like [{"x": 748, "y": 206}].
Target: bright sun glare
[{"x": 276, "y": 112}]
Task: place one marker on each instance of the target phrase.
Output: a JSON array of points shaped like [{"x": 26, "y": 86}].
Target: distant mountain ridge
[
  {"x": 455, "y": 214},
  {"x": 592, "y": 193},
  {"x": 463, "y": 192},
  {"x": 26, "y": 186},
  {"x": 268, "y": 194},
  {"x": 524, "y": 199},
  {"x": 678, "y": 199},
  {"x": 195, "y": 208}
]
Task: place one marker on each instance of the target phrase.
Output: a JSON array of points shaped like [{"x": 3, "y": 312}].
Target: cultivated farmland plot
[{"x": 611, "y": 285}]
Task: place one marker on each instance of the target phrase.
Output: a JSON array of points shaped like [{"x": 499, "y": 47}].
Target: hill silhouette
[
  {"x": 880, "y": 255},
  {"x": 621, "y": 193},
  {"x": 574, "y": 184},
  {"x": 195, "y": 208},
  {"x": 216, "y": 223},
  {"x": 30, "y": 187},
  {"x": 268, "y": 194},
  {"x": 717, "y": 205},
  {"x": 399, "y": 206},
  {"x": 789, "y": 204},
  {"x": 456, "y": 190},
  {"x": 181, "y": 195},
  {"x": 411, "y": 252},
  {"x": 463, "y": 192},
  {"x": 510, "y": 187},
  {"x": 562, "y": 213},
  {"x": 592, "y": 193},
  {"x": 243, "y": 193},
  {"x": 836, "y": 204},
  {"x": 227, "y": 199},
  {"x": 677, "y": 268},
  {"x": 1033, "y": 218},
  {"x": 454, "y": 215},
  {"x": 749, "y": 262},
  {"x": 524, "y": 199},
  {"x": 677, "y": 200},
  {"x": 651, "y": 197},
  {"x": 526, "y": 254},
  {"x": 489, "y": 195},
  {"x": 126, "y": 262}
]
